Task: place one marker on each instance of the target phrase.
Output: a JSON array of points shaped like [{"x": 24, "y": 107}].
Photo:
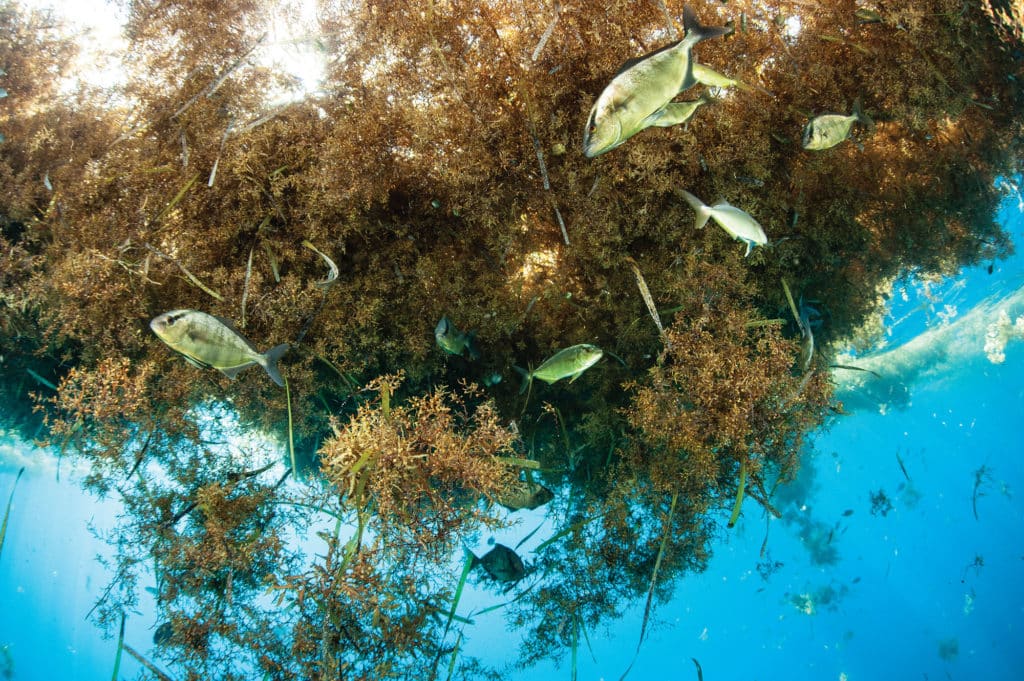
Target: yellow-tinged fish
[
  {"x": 639, "y": 94},
  {"x": 571, "y": 361},
  {"x": 828, "y": 130},
  {"x": 455, "y": 342},
  {"x": 525, "y": 494},
  {"x": 212, "y": 342}
]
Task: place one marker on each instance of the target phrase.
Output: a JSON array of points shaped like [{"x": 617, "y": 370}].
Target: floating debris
[
  {"x": 903, "y": 468},
  {"x": 332, "y": 269},
  {"x": 7, "y": 513},
  {"x": 207, "y": 342},
  {"x": 880, "y": 503},
  {"x": 982, "y": 476}
]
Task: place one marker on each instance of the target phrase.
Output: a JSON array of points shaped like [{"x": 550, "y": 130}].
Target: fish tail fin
[
  {"x": 695, "y": 31},
  {"x": 471, "y": 347},
  {"x": 861, "y": 116},
  {"x": 703, "y": 211},
  {"x": 270, "y": 359},
  {"x": 527, "y": 378}
]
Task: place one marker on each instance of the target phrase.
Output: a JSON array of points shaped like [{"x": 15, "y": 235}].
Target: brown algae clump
[{"x": 439, "y": 170}]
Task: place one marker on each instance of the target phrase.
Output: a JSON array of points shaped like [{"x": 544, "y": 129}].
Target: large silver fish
[
  {"x": 640, "y": 94},
  {"x": 212, "y": 342}
]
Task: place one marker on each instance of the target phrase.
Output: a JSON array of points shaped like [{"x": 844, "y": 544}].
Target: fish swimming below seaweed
[
  {"x": 207, "y": 341},
  {"x": 525, "y": 494},
  {"x": 455, "y": 342},
  {"x": 828, "y": 130},
  {"x": 640, "y": 93},
  {"x": 501, "y": 564},
  {"x": 737, "y": 223},
  {"x": 571, "y": 361}
]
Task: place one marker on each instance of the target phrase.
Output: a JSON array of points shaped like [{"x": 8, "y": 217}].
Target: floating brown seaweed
[{"x": 440, "y": 168}]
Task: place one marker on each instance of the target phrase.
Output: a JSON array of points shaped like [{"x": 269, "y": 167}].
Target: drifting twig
[
  {"x": 547, "y": 33},
  {"x": 561, "y": 224},
  {"x": 245, "y": 287},
  {"x": 146, "y": 663},
  {"x": 645, "y": 293},
  {"x": 332, "y": 274},
  {"x": 215, "y": 85},
  {"x": 216, "y": 162},
  {"x": 191, "y": 277},
  {"x": 262, "y": 119},
  {"x": 668, "y": 20},
  {"x": 540, "y": 160}
]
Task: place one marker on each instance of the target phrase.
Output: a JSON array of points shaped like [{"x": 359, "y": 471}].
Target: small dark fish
[
  {"x": 981, "y": 476},
  {"x": 453, "y": 341},
  {"x": 847, "y": 513},
  {"x": 502, "y": 564},
  {"x": 855, "y": 580},
  {"x": 163, "y": 634},
  {"x": 902, "y": 467}
]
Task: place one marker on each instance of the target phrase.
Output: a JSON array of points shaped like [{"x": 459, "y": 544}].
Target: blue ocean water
[{"x": 899, "y": 553}]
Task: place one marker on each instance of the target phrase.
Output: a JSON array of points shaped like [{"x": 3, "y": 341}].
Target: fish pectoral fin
[
  {"x": 232, "y": 372},
  {"x": 575, "y": 376},
  {"x": 750, "y": 246},
  {"x": 194, "y": 362}
]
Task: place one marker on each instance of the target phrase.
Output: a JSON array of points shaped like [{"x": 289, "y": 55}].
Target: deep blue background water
[{"x": 924, "y": 591}]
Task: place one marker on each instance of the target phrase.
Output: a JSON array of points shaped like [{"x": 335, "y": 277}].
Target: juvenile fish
[
  {"x": 453, "y": 341},
  {"x": 828, "y": 130},
  {"x": 737, "y": 223},
  {"x": 642, "y": 88},
  {"x": 678, "y": 112},
  {"x": 571, "y": 361},
  {"x": 212, "y": 342},
  {"x": 705, "y": 75},
  {"x": 525, "y": 494},
  {"x": 501, "y": 564}
]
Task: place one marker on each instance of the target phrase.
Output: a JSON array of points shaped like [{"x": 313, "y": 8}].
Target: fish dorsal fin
[
  {"x": 630, "y": 63},
  {"x": 722, "y": 203}
]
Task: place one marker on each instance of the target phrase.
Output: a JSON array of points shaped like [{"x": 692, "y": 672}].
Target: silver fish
[
  {"x": 571, "y": 361},
  {"x": 828, "y": 130},
  {"x": 453, "y": 341},
  {"x": 212, "y": 342},
  {"x": 737, "y": 223},
  {"x": 642, "y": 88}
]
